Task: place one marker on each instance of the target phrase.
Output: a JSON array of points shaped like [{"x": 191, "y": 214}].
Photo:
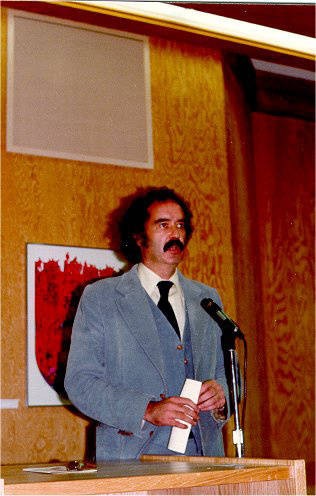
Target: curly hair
[{"x": 133, "y": 221}]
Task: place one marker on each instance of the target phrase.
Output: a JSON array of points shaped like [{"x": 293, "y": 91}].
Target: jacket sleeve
[{"x": 89, "y": 383}]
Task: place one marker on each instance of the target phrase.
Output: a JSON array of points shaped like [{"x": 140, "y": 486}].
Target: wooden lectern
[{"x": 176, "y": 475}]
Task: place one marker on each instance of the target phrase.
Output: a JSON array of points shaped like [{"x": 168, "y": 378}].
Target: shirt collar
[{"x": 149, "y": 280}]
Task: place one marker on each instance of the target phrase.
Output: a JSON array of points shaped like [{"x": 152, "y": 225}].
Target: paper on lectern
[{"x": 179, "y": 437}]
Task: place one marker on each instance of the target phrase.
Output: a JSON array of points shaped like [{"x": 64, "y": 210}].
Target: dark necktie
[{"x": 165, "y": 306}]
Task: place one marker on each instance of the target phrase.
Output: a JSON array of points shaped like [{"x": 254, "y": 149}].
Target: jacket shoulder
[
  {"x": 199, "y": 287},
  {"x": 101, "y": 285},
  {"x": 101, "y": 291},
  {"x": 109, "y": 286}
]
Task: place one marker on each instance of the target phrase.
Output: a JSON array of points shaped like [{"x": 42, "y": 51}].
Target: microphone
[{"x": 225, "y": 323}]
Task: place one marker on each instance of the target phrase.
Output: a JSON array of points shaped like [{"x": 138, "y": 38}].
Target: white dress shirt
[{"x": 149, "y": 281}]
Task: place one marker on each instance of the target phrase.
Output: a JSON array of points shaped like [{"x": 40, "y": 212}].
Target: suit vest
[{"x": 177, "y": 363}]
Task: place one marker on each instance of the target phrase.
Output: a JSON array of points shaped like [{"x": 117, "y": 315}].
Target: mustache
[{"x": 172, "y": 242}]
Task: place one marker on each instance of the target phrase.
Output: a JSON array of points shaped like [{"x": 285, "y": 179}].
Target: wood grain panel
[
  {"x": 284, "y": 160},
  {"x": 190, "y": 151},
  {"x": 47, "y": 200},
  {"x": 246, "y": 282}
]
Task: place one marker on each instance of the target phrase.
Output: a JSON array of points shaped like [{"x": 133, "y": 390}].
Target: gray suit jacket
[{"x": 115, "y": 365}]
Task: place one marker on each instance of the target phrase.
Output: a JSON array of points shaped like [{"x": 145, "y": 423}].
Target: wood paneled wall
[
  {"x": 46, "y": 200},
  {"x": 284, "y": 152},
  {"x": 244, "y": 241},
  {"x": 272, "y": 188}
]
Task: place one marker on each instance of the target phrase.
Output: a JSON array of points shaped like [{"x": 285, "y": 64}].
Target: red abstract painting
[{"x": 58, "y": 288}]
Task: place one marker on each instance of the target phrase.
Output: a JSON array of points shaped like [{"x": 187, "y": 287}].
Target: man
[{"x": 129, "y": 357}]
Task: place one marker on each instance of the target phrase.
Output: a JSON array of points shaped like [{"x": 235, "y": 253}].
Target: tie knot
[{"x": 164, "y": 287}]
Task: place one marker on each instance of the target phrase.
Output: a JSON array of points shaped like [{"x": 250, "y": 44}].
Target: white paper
[
  {"x": 60, "y": 469},
  {"x": 179, "y": 437}
]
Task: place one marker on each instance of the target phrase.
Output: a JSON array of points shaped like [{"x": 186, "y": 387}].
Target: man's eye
[
  {"x": 180, "y": 225},
  {"x": 163, "y": 225}
]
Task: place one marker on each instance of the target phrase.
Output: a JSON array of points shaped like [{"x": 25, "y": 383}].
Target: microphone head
[
  {"x": 206, "y": 303},
  {"x": 225, "y": 323}
]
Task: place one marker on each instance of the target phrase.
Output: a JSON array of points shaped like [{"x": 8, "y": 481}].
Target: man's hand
[
  {"x": 169, "y": 411},
  {"x": 212, "y": 397}
]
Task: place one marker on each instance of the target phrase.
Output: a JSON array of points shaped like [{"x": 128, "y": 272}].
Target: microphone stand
[{"x": 229, "y": 337}]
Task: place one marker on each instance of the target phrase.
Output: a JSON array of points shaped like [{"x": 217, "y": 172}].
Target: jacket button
[
  {"x": 179, "y": 347},
  {"x": 186, "y": 361},
  {"x": 151, "y": 433}
]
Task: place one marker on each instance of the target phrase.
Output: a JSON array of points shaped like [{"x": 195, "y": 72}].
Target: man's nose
[{"x": 176, "y": 232}]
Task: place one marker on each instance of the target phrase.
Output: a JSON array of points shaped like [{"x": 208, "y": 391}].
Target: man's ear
[{"x": 139, "y": 239}]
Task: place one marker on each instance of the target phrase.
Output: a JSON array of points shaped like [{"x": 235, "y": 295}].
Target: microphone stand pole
[{"x": 229, "y": 342}]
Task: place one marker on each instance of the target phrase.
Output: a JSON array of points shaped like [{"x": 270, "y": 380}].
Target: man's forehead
[{"x": 165, "y": 210}]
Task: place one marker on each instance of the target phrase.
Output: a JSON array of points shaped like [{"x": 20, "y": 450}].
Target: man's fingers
[
  {"x": 169, "y": 410},
  {"x": 212, "y": 396},
  {"x": 184, "y": 413},
  {"x": 185, "y": 402},
  {"x": 212, "y": 405},
  {"x": 186, "y": 409},
  {"x": 179, "y": 424},
  {"x": 209, "y": 393},
  {"x": 187, "y": 415}
]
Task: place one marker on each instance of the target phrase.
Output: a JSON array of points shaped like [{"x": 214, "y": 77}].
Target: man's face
[{"x": 162, "y": 248}]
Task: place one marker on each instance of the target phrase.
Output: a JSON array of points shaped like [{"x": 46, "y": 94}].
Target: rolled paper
[{"x": 179, "y": 437}]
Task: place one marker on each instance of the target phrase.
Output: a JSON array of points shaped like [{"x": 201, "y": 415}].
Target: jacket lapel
[{"x": 135, "y": 310}]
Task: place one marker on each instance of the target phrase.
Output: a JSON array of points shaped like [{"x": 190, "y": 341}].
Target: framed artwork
[{"x": 56, "y": 278}]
